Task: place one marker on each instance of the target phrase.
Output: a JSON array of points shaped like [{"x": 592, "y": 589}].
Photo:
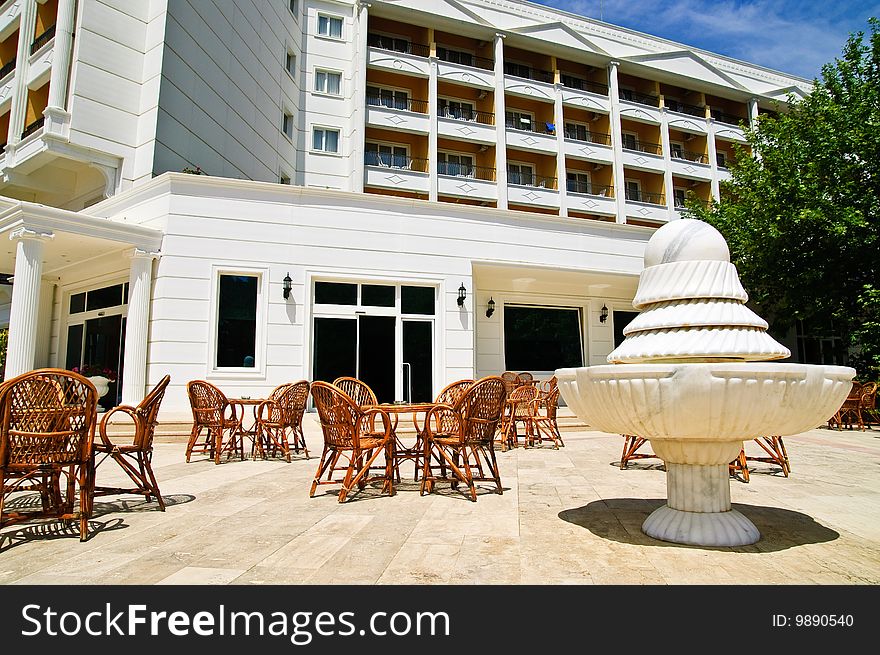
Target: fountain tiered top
[{"x": 692, "y": 304}]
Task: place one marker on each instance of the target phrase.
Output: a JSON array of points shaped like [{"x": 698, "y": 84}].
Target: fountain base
[{"x": 728, "y": 528}]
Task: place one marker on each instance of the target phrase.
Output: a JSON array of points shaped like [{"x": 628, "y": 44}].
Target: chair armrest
[
  {"x": 368, "y": 418},
  {"x": 435, "y": 415},
  {"x": 267, "y": 406},
  {"x": 125, "y": 409}
]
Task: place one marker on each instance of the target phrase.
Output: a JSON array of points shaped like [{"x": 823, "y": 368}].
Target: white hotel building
[{"x": 381, "y": 156}]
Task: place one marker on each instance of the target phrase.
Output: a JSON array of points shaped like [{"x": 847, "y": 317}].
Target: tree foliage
[{"x": 802, "y": 216}]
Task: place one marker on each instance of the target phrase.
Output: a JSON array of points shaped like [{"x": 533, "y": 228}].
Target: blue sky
[{"x": 785, "y": 35}]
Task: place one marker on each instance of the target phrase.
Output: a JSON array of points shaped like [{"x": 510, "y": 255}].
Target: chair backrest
[
  {"x": 480, "y": 408},
  {"x": 47, "y": 416},
  {"x": 511, "y": 380},
  {"x": 446, "y": 422},
  {"x": 868, "y": 399},
  {"x": 551, "y": 402},
  {"x": 148, "y": 411},
  {"x": 208, "y": 403},
  {"x": 525, "y": 376},
  {"x": 357, "y": 390},
  {"x": 338, "y": 414},
  {"x": 524, "y": 398},
  {"x": 294, "y": 400},
  {"x": 856, "y": 390}
]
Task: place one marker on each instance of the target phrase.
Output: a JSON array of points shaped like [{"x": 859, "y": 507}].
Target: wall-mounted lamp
[
  {"x": 490, "y": 307},
  {"x": 288, "y": 285},
  {"x": 462, "y": 294},
  {"x": 603, "y": 314}
]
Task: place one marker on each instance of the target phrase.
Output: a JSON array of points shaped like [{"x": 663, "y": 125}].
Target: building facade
[{"x": 412, "y": 192}]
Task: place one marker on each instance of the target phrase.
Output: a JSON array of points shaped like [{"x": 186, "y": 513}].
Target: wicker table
[
  {"x": 403, "y": 452},
  {"x": 251, "y": 430}
]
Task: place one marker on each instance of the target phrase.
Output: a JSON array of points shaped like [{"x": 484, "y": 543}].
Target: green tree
[{"x": 802, "y": 216}]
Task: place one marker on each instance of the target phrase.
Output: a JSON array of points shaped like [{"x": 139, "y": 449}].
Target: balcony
[
  {"x": 591, "y": 198},
  {"x": 530, "y": 189},
  {"x": 33, "y": 127},
  {"x": 593, "y": 146},
  {"x": 728, "y": 119},
  {"x": 396, "y": 172},
  {"x": 639, "y": 106},
  {"x": 682, "y": 108},
  {"x": 690, "y": 164},
  {"x": 579, "y": 84},
  {"x": 582, "y": 93},
  {"x": 43, "y": 39},
  {"x": 7, "y": 69},
  {"x": 641, "y": 204},
  {"x": 532, "y": 136},
  {"x": 528, "y": 82},
  {"x": 398, "y": 55},
  {"x": 464, "y": 59},
  {"x": 465, "y": 68},
  {"x": 466, "y": 181},
  {"x": 644, "y": 156},
  {"x": 477, "y": 126},
  {"x": 405, "y": 115}
]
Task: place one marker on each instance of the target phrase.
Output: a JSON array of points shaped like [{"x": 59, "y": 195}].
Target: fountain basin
[{"x": 696, "y": 416}]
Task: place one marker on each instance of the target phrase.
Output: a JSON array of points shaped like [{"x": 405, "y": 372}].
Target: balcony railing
[
  {"x": 466, "y": 170},
  {"x": 401, "y": 162},
  {"x": 532, "y": 126},
  {"x": 642, "y": 196},
  {"x": 729, "y": 119},
  {"x": 530, "y": 179},
  {"x": 641, "y": 146},
  {"x": 464, "y": 58},
  {"x": 398, "y": 45},
  {"x": 43, "y": 39},
  {"x": 640, "y": 98},
  {"x": 528, "y": 73},
  {"x": 7, "y": 69},
  {"x": 584, "y": 85},
  {"x": 33, "y": 127},
  {"x": 689, "y": 155},
  {"x": 682, "y": 108},
  {"x": 403, "y": 104},
  {"x": 484, "y": 117},
  {"x": 576, "y": 186},
  {"x": 588, "y": 137}
]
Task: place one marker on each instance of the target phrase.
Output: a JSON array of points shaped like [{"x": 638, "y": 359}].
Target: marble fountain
[{"x": 693, "y": 377}]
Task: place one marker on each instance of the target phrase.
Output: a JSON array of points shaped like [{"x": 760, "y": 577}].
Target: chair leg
[{"x": 328, "y": 458}]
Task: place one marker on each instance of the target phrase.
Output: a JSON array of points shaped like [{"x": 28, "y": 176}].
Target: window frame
[
  {"x": 287, "y": 119},
  {"x": 293, "y": 8},
  {"x": 327, "y": 73},
  {"x": 521, "y": 113},
  {"x": 326, "y": 128},
  {"x": 330, "y": 18},
  {"x": 627, "y": 181},
  {"x": 520, "y": 164},
  {"x": 394, "y": 91},
  {"x": 472, "y": 166},
  {"x": 634, "y": 135},
  {"x": 259, "y": 369},
  {"x": 288, "y": 56},
  {"x": 577, "y": 175},
  {"x": 392, "y": 145}
]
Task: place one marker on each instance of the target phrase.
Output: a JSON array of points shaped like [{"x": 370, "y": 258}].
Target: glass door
[{"x": 418, "y": 364}]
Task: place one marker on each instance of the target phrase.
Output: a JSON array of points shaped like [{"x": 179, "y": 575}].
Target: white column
[
  {"x": 667, "y": 163},
  {"x": 616, "y": 142},
  {"x": 23, "y": 315},
  {"x": 432, "y": 130},
  {"x": 753, "y": 113},
  {"x": 500, "y": 124},
  {"x": 137, "y": 326},
  {"x": 19, "y": 98},
  {"x": 713, "y": 160},
  {"x": 61, "y": 54},
  {"x": 558, "y": 119},
  {"x": 360, "y": 96}
]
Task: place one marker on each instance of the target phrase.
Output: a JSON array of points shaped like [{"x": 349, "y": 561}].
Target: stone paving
[{"x": 567, "y": 516}]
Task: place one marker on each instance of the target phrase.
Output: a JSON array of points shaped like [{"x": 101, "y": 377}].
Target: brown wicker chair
[
  {"x": 279, "y": 420},
  {"x": 216, "y": 417},
  {"x": 521, "y": 407},
  {"x": 135, "y": 456},
  {"x": 526, "y": 378},
  {"x": 511, "y": 381},
  {"x": 631, "y": 446},
  {"x": 349, "y": 434},
  {"x": 849, "y": 413},
  {"x": 47, "y": 429},
  {"x": 459, "y": 453},
  {"x": 868, "y": 404},
  {"x": 357, "y": 390},
  {"x": 544, "y": 419},
  {"x": 448, "y": 396}
]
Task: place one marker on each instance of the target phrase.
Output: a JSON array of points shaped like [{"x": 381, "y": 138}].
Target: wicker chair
[
  {"x": 466, "y": 439},
  {"x": 631, "y": 446},
  {"x": 511, "y": 380},
  {"x": 521, "y": 408},
  {"x": 279, "y": 420},
  {"x": 47, "y": 429},
  {"x": 357, "y": 390},
  {"x": 448, "y": 396},
  {"x": 216, "y": 417},
  {"x": 135, "y": 456},
  {"x": 349, "y": 434},
  {"x": 868, "y": 404},
  {"x": 544, "y": 420},
  {"x": 525, "y": 377},
  {"x": 849, "y": 413}
]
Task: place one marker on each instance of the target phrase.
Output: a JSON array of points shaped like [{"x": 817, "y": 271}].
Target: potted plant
[{"x": 101, "y": 376}]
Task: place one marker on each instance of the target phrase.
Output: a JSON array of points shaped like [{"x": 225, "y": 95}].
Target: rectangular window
[
  {"x": 284, "y": 179},
  {"x": 542, "y": 338},
  {"x": 237, "y": 321},
  {"x": 381, "y": 154},
  {"x": 325, "y": 140},
  {"x": 633, "y": 190},
  {"x": 293, "y": 5},
  {"x": 335, "y": 293},
  {"x": 678, "y": 196},
  {"x": 453, "y": 164},
  {"x": 330, "y": 26},
  {"x": 328, "y": 82},
  {"x": 630, "y": 141},
  {"x": 417, "y": 300},
  {"x": 105, "y": 297},
  {"x": 519, "y": 120},
  {"x": 287, "y": 125},
  {"x": 455, "y": 56},
  {"x": 78, "y": 303},
  {"x": 457, "y": 109},
  {"x": 391, "y": 98},
  {"x": 577, "y": 131},
  {"x": 377, "y": 295},
  {"x": 721, "y": 159},
  {"x": 521, "y": 174},
  {"x": 290, "y": 64},
  {"x": 676, "y": 150},
  {"x": 515, "y": 69},
  {"x": 578, "y": 182}
]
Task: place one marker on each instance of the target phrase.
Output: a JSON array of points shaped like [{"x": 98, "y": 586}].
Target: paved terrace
[{"x": 567, "y": 516}]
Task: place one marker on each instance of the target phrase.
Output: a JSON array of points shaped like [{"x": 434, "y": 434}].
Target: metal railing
[
  {"x": 534, "y": 126},
  {"x": 532, "y": 180},
  {"x": 682, "y": 108},
  {"x": 33, "y": 127},
  {"x": 464, "y": 58},
  {"x": 590, "y": 137},
  {"x": 642, "y": 196},
  {"x": 689, "y": 155},
  {"x": 398, "y": 45},
  {"x": 576, "y": 186},
  {"x": 728, "y": 119},
  {"x": 484, "y": 117},
  {"x": 528, "y": 73},
  {"x": 43, "y": 39},
  {"x": 641, "y": 146},
  {"x": 401, "y": 162},
  {"x": 640, "y": 98},
  {"x": 466, "y": 170},
  {"x": 8, "y": 67},
  {"x": 584, "y": 85},
  {"x": 403, "y": 104}
]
